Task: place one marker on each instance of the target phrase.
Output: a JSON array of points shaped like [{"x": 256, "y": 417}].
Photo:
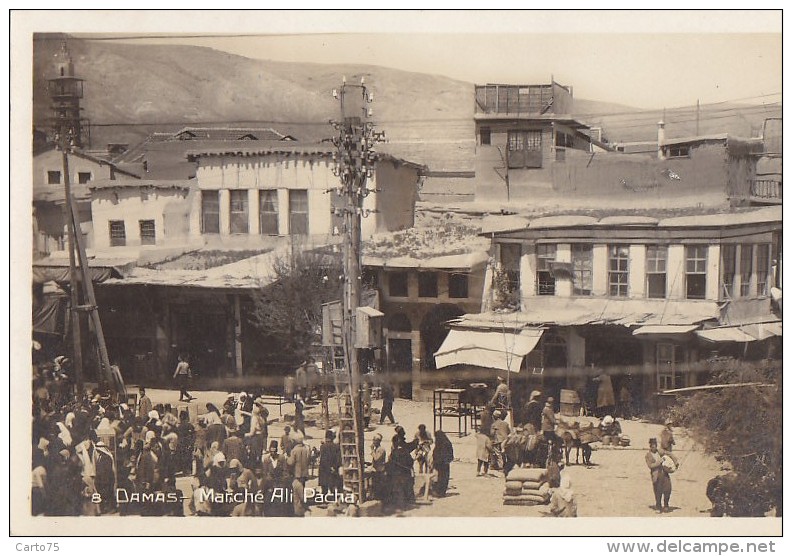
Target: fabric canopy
[
  {"x": 762, "y": 331},
  {"x": 60, "y": 274},
  {"x": 494, "y": 349},
  {"x": 744, "y": 333},
  {"x": 664, "y": 329},
  {"x": 730, "y": 334}
]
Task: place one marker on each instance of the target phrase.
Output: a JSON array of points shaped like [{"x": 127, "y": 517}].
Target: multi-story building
[
  {"x": 418, "y": 293},
  {"x": 195, "y": 251},
  {"x": 48, "y": 194},
  {"x": 522, "y": 131},
  {"x": 642, "y": 299}
]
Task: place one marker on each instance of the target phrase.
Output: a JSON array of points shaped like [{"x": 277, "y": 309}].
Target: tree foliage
[
  {"x": 741, "y": 425},
  {"x": 288, "y": 312}
]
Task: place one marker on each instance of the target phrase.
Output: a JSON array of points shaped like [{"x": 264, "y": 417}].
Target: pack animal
[{"x": 571, "y": 441}]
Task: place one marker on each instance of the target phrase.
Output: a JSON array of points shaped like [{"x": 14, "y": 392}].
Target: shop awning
[
  {"x": 742, "y": 333},
  {"x": 726, "y": 334},
  {"x": 763, "y": 330},
  {"x": 494, "y": 349},
  {"x": 664, "y": 329}
]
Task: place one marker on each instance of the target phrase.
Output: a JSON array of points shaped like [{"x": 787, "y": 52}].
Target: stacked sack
[{"x": 526, "y": 487}]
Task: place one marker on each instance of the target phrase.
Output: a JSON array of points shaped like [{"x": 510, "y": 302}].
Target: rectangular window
[
  {"x": 746, "y": 268},
  {"x": 762, "y": 268},
  {"x": 545, "y": 281},
  {"x": 582, "y": 263},
  {"x": 656, "y": 263},
  {"x": 728, "y": 269},
  {"x": 53, "y": 177},
  {"x": 486, "y": 136},
  {"x": 210, "y": 212},
  {"x": 510, "y": 254},
  {"x": 239, "y": 211},
  {"x": 696, "y": 271},
  {"x": 525, "y": 149},
  {"x": 458, "y": 286},
  {"x": 298, "y": 212},
  {"x": 397, "y": 284},
  {"x": 268, "y": 212},
  {"x": 148, "y": 233},
  {"x": 117, "y": 233},
  {"x": 618, "y": 270},
  {"x": 83, "y": 177},
  {"x": 679, "y": 151},
  {"x": 427, "y": 284}
]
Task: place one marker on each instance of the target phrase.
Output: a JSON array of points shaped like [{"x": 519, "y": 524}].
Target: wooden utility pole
[
  {"x": 74, "y": 298},
  {"x": 355, "y": 161},
  {"x": 65, "y": 91}
]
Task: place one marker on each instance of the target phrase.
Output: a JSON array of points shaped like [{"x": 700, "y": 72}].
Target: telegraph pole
[
  {"x": 65, "y": 91},
  {"x": 355, "y": 162}
]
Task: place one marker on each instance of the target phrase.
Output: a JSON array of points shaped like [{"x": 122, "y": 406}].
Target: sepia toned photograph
[{"x": 402, "y": 269}]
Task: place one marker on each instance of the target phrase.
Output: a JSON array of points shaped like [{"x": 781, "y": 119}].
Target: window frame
[
  {"x": 526, "y": 142},
  {"x": 546, "y": 253},
  {"x": 238, "y": 211},
  {"x": 728, "y": 269},
  {"x": 145, "y": 237},
  {"x": 117, "y": 236},
  {"x": 512, "y": 270},
  {"x": 485, "y": 135},
  {"x": 579, "y": 270},
  {"x": 618, "y": 277},
  {"x": 745, "y": 269},
  {"x": 762, "y": 270},
  {"x": 298, "y": 218},
  {"x": 653, "y": 264},
  {"x": 666, "y": 367},
  {"x": 697, "y": 271},
  {"x": 458, "y": 285},
  {"x": 428, "y": 289},
  {"x": 398, "y": 275},
  {"x": 81, "y": 175},
  {"x": 266, "y": 216},
  {"x": 210, "y": 217},
  {"x": 53, "y": 175},
  {"x": 678, "y": 151}
]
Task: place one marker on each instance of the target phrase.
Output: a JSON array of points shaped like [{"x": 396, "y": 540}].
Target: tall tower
[{"x": 65, "y": 91}]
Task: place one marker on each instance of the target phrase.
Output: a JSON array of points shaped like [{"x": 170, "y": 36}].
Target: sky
[
  {"x": 643, "y": 59},
  {"x": 645, "y": 71}
]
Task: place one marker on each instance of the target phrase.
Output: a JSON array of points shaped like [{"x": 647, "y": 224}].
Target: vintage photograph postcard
[{"x": 406, "y": 273}]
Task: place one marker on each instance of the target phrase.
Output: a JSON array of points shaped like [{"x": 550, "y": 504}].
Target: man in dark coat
[
  {"x": 276, "y": 482},
  {"x": 387, "y": 403},
  {"x": 442, "y": 457},
  {"x": 329, "y": 464},
  {"x": 532, "y": 413}
]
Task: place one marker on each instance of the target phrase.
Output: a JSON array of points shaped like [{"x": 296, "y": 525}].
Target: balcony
[
  {"x": 766, "y": 191},
  {"x": 523, "y": 100}
]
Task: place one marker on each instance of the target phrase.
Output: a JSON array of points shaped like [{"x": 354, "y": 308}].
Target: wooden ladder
[{"x": 351, "y": 458}]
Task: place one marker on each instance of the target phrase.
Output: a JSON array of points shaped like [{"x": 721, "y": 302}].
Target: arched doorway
[{"x": 434, "y": 331}]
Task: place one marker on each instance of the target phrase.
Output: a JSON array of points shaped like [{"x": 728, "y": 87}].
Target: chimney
[{"x": 660, "y": 139}]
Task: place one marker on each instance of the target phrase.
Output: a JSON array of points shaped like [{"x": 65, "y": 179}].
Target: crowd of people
[{"x": 94, "y": 454}]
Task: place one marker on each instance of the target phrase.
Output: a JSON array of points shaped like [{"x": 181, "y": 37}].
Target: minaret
[{"x": 65, "y": 92}]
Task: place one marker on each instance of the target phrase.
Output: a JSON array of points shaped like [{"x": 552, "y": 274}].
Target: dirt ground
[{"x": 616, "y": 484}]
